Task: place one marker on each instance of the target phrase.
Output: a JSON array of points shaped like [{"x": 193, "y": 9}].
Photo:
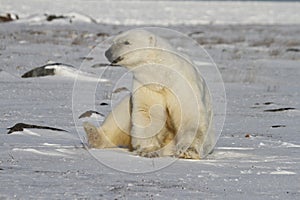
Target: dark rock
[
  {"x": 20, "y": 127},
  {"x": 8, "y": 17},
  {"x": 89, "y": 113},
  {"x": 293, "y": 50},
  {"x": 43, "y": 71},
  {"x": 279, "y": 109}
]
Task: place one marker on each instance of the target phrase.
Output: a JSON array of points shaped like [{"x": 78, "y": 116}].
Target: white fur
[{"x": 171, "y": 110}]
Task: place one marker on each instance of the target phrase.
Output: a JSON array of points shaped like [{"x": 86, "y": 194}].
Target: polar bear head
[{"x": 134, "y": 47}]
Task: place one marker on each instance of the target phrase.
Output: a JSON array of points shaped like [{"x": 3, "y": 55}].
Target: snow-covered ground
[
  {"x": 257, "y": 155},
  {"x": 145, "y": 12}
]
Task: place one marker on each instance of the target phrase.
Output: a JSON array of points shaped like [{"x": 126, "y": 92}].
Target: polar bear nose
[
  {"x": 108, "y": 55},
  {"x": 118, "y": 59}
]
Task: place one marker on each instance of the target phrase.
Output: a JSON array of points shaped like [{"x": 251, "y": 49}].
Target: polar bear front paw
[
  {"x": 153, "y": 154},
  {"x": 189, "y": 153}
]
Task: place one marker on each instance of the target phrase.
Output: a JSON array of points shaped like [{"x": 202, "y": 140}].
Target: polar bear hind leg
[{"x": 115, "y": 130}]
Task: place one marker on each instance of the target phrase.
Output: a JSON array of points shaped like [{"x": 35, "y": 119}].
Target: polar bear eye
[{"x": 126, "y": 43}]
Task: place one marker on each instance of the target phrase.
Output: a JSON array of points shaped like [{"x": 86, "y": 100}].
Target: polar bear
[{"x": 169, "y": 112}]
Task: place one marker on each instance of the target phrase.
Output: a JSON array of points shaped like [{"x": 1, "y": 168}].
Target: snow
[
  {"x": 258, "y": 72},
  {"x": 74, "y": 74},
  {"x": 170, "y": 12}
]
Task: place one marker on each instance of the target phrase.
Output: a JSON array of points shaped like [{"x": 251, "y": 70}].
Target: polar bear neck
[
  {"x": 163, "y": 71},
  {"x": 158, "y": 66},
  {"x": 152, "y": 56}
]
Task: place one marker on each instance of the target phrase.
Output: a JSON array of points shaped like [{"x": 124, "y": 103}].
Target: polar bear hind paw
[{"x": 94, "y": 139}]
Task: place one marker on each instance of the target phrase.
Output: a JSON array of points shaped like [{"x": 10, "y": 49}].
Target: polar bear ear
[{"x": 152, "y": 41}]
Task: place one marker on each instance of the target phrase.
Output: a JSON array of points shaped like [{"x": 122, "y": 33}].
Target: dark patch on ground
[
  {"x": 278, "y": 126},
  {"x": 102, "y": 34},
  {"x": 86, "y": 58},
  {"x": 89, "y": 113},
  {"x": 195, "y": 33},
  {"x": 100, "y": 65},
  {"x": 50, "y": 18},
  {"x": 43, "y": 71},
  {"x": 121, "y": 89},
  {"x": 8, "y": 17},
  {"x": 279, "y": 109},
  {"x": 293, "y": 50},
  {"x": 268, "y": 103},
  {"x": 39, "y": 71},
  {"x": 21, "y": 126}
]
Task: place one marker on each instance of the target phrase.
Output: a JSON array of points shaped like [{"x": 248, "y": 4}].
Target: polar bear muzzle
[
  {"x": 118, "y": 59},
  {"x": 109, "y": 56}
]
